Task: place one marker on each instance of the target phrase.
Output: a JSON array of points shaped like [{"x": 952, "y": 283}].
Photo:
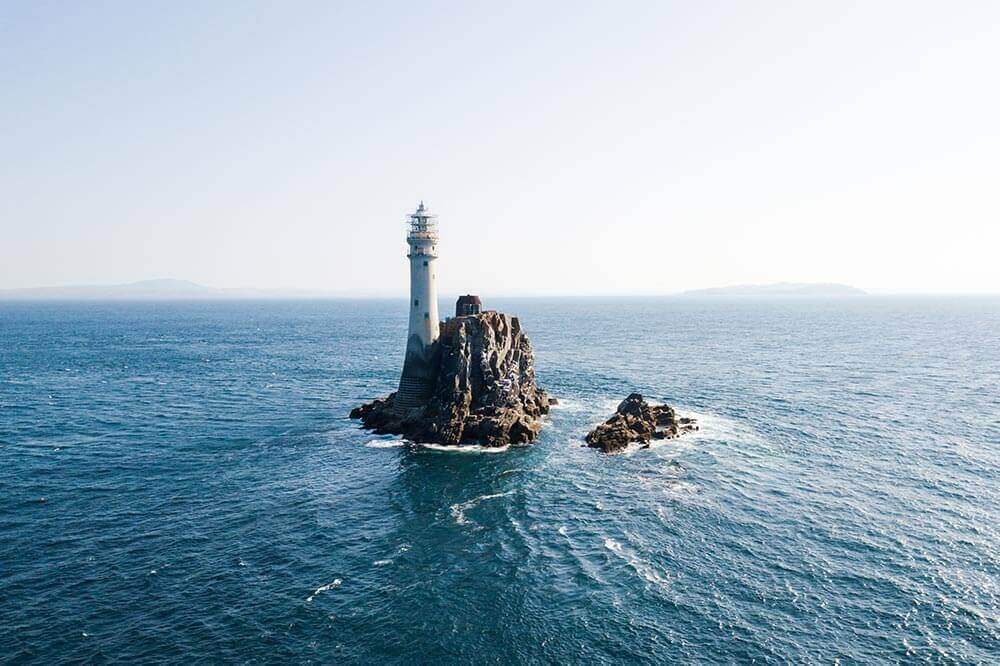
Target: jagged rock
[
  {"x": 484, "y": 389},
  {"x": 635, "y": 420}
]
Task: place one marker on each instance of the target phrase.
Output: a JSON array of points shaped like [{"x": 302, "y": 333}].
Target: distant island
[
  {"x": 782, "y": 289},
  {"x": 163, "y": 289}
]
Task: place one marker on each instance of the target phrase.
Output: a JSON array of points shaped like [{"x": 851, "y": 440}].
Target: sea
[{"x": 180, "y": 483}]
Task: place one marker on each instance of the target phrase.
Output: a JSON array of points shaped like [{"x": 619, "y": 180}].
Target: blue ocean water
[{"x": 180, "y": 482}]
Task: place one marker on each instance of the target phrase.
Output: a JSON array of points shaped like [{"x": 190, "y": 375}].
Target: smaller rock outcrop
[{"x": 635, "y": 420}]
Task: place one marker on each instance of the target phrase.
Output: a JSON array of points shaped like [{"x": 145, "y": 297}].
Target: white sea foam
[
  {"x": 673, "y": 468},
  {"x": 381, "y": 563},
  {"x": 569, "y": 405},
  {"x": 675, "y": 487},
  {"x": 646, "y": 570},
  {"x": 385, "y": 443},
  {"x": 464, "y": 448},
  {"x": 668, "y": 482},
  {"x": 713, "y": 427},
  {"x": 609, "y": 405},
  {"x": 329, "y": 586},
  {"x": 458, "y": 510},
  {"x": 682, "y": 443}
]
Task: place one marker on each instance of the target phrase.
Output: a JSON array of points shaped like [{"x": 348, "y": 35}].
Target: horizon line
[
  {"x": 5, "y": 298},
  {"x": 173, "y": 289}
]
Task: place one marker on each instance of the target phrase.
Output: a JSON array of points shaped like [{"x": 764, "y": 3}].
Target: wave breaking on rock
[{"x": 636, "y": 421}]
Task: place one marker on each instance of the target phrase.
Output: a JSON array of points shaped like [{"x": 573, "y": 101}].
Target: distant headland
[
  {"x": 782, "y": 289},
  {"x": 152, "y": 290}
]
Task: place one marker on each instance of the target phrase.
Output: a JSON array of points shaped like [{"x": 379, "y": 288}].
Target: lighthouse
[{"x": 416, "y": 382}]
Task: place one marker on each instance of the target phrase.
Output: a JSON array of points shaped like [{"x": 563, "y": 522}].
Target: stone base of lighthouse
[{"x": 416, "y": 384}]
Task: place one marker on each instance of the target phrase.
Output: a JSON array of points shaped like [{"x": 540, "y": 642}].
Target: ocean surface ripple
[{"x": 180, "y": 482}]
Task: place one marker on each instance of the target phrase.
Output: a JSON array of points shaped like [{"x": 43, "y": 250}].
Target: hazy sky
[{"x": 567, "y": 147}]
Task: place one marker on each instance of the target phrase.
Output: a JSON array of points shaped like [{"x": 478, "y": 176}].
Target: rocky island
[
  {"x": 469, "y": 379},
  {"x": 635, "y": 420},
  {"x": 482, "y": 379}
]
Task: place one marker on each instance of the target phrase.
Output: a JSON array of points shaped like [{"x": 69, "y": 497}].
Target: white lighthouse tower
[{"x": 416, "y": 382}]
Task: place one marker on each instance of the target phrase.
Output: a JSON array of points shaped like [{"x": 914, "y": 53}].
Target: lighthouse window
[
  {"x": 427, "y": 315},
  {"x": 425, "y": 263},
  {"x": 416, "y": 302}
]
